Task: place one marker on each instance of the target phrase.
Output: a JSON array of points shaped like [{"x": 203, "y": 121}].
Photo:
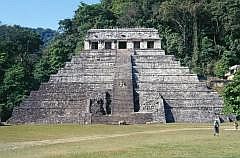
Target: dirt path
[{"x": 26, "y": 144}]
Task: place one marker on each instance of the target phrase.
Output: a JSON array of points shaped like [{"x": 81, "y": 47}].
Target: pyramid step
[
  {"x": 97, "y": 52},
  {"x": 84, "y": 73},
  {"x": 93, "y": 59},
  {"x": 89, "y": 65},
  {"x": 162, "y": 71},
  {"x": 167, "y": 78},
  {"x": 81, "y": 78},
  {"x": 98, "y": 70},
  {"x": 142, "y": 65},
  {"x": 179, "y": 94},
  {"x": 39, "y": 95},
  {"x": 212, "y": 102},
  {"x": 95, "y": 55},
  {"x": 195, "y": 105},
  {"x": 54, "y": 104},
  {"x": 153, "y": 58},
  {"x": 149, "y": 52},
  {"x": 75, "y": 87},
  {"x": 172, "y": 86}
]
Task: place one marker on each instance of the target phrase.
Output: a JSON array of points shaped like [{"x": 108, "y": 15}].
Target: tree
[
  {"x": 107, "y": 4},
  {"x": 179, "y": 18},
  {"x": 130, "y": 15},
  {"x": 195, "y": 10},
  {"x": 228, "y": 59},
  {"x": 174, "y": 45},
  {"x": 1, "y": 105},
  {"x": 41, "y": 70},
  {"x": 207, "y": 56},
  {"x": 65, "y": 26},
  {"x": 14, "y": 89},
  {"x": 231, "y": 96},
  {"x": 17, "y": 46}
]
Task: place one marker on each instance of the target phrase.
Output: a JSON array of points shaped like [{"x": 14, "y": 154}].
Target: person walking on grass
[
  {"x": 236, "y": 125},
  {"x": 216, "y": 126}
]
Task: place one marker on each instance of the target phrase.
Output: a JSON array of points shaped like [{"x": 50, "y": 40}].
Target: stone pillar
[
  {"x": 129, "y": 44},
  {"x": 143, "y": 45},
  {"x": 86, "y": 45},
  {"x": 100, "y": 44},
  {"x": 114, "y": 45},
  {"x": 157, "y": 44}
]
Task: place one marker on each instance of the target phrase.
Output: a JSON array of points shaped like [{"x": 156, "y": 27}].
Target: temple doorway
[
  {"x": 136, "y": 44},
  {"x": 122, "y": 45},
  {"x": 108, "y": 45},
  {"x": 150, "y": 44},
  {"x": 94, "y": 45}
]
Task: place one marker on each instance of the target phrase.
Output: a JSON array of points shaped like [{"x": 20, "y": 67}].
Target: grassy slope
[{"x": 138, "y": 141}]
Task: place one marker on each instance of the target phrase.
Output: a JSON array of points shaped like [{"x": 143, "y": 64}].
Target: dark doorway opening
[
  {"x": 94, "y": 45},
  {"x": 136, "y": 44},
  {"x": 108, "y": 45},
  {"x": 122, "y": 45},
  {"x": 150, "y": 44}
]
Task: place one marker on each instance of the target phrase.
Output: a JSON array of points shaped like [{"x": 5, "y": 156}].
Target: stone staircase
[{"x": 123, "y": 102}]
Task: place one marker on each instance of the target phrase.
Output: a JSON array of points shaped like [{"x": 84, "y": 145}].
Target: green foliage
[
  {"x": 118, "y": 6},
  {"x": 17, "y": 45},
  {"x": 130, "y": 15},
  {"x": 2, "y": 57},
  {"x": 46, "y": 35},
  {"x": 232, "y": 96},
  {"x": 1, "y": 111},
  {"x": 221, "y": 68},
  {"x": 41, "y": 72},
  {"x": 174, "y": 45},
  {"x": 13, "y": 89},
  {"x": 55, "y": 55},
  {"x": 207, "y": 56},
  {"x": 228, "y": 59},
  {"x": 92, "y": 16}
]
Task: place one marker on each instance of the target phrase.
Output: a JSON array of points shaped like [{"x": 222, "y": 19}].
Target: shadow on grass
[{"x": 4, "y": 124}]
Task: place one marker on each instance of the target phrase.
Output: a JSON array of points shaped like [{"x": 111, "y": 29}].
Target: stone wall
[{"x": 130, "y": 35}]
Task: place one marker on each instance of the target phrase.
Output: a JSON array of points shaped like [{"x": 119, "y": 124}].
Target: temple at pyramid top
[{"x": 129, "y": 38}]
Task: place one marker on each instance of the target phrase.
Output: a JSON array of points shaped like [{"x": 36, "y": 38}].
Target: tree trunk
[
  {"x": 195, "y": 58},
  {"x": 184, "y": 39}
]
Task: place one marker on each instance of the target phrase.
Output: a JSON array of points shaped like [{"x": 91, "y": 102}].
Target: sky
[{"x": 38, "y": 13}]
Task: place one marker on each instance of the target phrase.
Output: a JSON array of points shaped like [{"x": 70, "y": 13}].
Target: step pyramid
[{"x": 108, "y": 86}]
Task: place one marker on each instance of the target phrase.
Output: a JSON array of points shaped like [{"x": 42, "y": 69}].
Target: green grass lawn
[{"x": 131, "y": 141}]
